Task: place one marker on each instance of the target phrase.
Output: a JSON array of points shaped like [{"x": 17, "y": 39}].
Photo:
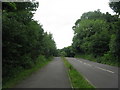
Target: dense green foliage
[
  {"x": 41, "y": 61},
  {"x": 97, "y": 35},
  {"x": 23, "y": 38},
  {"x": 66, "y": 51},
  {"x": 116, "y": 7}
]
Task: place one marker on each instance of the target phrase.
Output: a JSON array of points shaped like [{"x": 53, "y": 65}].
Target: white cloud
[{"x": 58, "y": 16}]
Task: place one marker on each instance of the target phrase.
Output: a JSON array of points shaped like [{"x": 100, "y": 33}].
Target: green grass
[
  {"x": 77, "y": 80},
  {"x": 41, "y": 62}
]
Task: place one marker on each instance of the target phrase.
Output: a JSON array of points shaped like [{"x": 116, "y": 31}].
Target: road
[
  {"x": 53, "y": 75},
  {"x": 99, "y": 75}
]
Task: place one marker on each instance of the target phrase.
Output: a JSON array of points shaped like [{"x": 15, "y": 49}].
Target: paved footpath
[{"x": 53, "y": 75}]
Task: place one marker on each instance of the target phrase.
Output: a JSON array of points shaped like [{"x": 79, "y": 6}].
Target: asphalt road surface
[
  {"x": 53, "y": 75},
  {"x": 99, "y": 75}
]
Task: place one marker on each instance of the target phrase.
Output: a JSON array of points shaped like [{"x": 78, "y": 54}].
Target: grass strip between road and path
[
  {"x": 41, "y": 62},
  {"x": 76, "y": 79}
]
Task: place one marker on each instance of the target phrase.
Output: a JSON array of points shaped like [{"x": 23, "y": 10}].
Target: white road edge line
[
  {"x": 89, "y": 65},
  {"x": 105, "y": 70},
  {"x": 84, "y": 63},
  {"x": 81, "y": 61},
  {"x": 98, "y": 67},
  {"x": 89, "y": 81}
]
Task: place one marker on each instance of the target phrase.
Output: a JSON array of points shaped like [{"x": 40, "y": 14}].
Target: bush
[
  {"x": 27, "y": 62},
  {"x": 40, "y": 59},
  {"x": 109, "y": 58}
]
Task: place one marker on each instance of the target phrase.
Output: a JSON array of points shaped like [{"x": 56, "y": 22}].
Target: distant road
[
  {"x": 99, "y": 75},
  {"x": 53, "y": 75}
]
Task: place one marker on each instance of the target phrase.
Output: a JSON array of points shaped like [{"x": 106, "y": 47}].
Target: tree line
[
  {"x": 97, "y": 34},
  {"x": 23, "y": 38}
]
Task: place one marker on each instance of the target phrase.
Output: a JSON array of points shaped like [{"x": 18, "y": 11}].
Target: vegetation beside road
[
  {"x": 77, "y": 80},
  {"x": 23, "y": 41},
  {"x": 97, "y": 37},
  {"x": 24, "y": 73}
]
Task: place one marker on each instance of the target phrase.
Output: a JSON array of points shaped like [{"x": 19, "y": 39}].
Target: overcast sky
[{"x": 58, "y": 16}]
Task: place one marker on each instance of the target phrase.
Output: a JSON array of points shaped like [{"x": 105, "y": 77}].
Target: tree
[
  {"x": 115, "y": 6},
  {"x": 68, "y": 51},
  {"x": 24, "y": 39},
  {"x": 89, "y": 35}
]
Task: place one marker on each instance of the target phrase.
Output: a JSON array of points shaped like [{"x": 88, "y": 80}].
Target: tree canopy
[
  {"x": 97, "y": 34},
  {"x": 24, "y": 39}
]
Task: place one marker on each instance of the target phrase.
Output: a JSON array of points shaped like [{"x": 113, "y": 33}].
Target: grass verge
[
  {"x": 23, "y": 74},
  {"x": 77, "y": 80}
]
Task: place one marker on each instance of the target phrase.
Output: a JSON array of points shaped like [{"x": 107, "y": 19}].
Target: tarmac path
[{"x": 53, "y": 75}]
